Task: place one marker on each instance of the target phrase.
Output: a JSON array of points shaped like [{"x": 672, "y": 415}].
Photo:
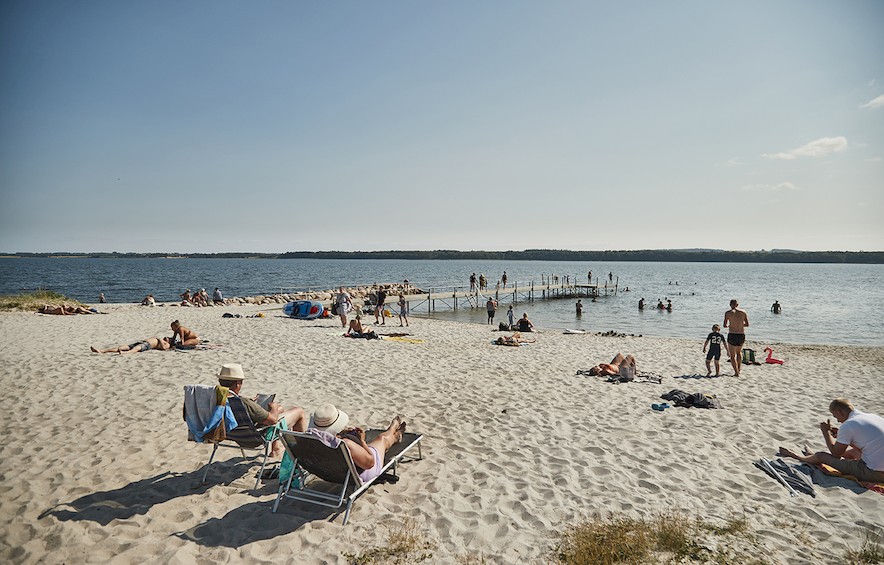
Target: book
[{"x": 264, "y": 400}]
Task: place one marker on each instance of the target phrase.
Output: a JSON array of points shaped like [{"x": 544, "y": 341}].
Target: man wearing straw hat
[{"x": 231, "y": 376}]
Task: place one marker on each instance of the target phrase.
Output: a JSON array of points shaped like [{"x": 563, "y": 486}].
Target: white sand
[{"x": 95, "y": 466}]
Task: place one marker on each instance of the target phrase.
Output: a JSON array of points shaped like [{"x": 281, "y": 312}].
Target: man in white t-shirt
[{"x": 856, "y": 449}]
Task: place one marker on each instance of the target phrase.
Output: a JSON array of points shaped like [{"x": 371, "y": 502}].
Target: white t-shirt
[{"x": 865, "y": 431}]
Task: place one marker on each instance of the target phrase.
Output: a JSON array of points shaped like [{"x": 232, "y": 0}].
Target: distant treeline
[{"x": 664, "y": 255}]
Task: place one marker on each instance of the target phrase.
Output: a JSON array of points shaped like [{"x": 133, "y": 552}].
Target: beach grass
[
  {"x": 405, "y": 544},
  {"x": 34, "y": 300},
  {"x": 667, "y": 537},
  {"x": 870, "y": 551}
]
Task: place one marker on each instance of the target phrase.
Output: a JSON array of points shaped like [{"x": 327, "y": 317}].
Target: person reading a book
[{"x": 266, "y": 413}]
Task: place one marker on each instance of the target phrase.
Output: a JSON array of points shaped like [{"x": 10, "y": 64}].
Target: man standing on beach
[
  {"x": 379, "y": 309},
  {"x": 857, "y": 449},
  {"x": 491, "y": 306},
  {"x": 736, "y": 321}
]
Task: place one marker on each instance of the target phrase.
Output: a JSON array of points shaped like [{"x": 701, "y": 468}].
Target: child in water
[{"x": 713, "y": 341}]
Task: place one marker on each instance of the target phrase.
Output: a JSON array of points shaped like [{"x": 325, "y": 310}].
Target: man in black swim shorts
[{"x": 736, "y": 321}]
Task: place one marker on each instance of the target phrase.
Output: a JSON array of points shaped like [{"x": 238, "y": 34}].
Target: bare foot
[
  {"x": 709, "y": 373},
  {"x": 783, "y": 452},
  {"x": 94, "y": 350}
]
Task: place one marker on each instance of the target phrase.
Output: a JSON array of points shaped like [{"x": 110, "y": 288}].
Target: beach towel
[
  {"x": 640, "y": 377},
  {"x": 824, "y": 469},
  {"x": 402, "y": 339},
  {"x": 206, "y": 417},
  {"x": 796, "y": 478}
]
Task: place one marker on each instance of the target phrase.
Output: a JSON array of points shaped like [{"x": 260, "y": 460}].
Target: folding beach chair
[
  {"x": 246, "y": 435},
  {"x": 335, "y": 465}
]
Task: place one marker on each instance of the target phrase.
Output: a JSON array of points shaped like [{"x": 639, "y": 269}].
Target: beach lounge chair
[
  {"x": 246, "y": 435},
  {"x": 313, "y": 456}
]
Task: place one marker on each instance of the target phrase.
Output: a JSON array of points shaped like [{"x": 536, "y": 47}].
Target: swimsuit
[
  {"x": 736, "y": 339},
  {"x": 370, "y": 474},
  {"x": 140, "y": 346}
]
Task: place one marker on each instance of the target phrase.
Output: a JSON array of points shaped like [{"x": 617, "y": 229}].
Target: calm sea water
[{"x": 821, "y": 303}]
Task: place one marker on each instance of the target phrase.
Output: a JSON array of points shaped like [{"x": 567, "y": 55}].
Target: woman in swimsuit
[
  {"x": 369, "y": 457},
  {"x": 613, "y": 368},
  {"x": 183, "y": 337},
  {"x": 161, "y": 344},
  {"x": 356, "y": 328}
]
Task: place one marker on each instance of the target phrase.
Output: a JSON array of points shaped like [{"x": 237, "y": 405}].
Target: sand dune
[{"x": 96, "y": 468}]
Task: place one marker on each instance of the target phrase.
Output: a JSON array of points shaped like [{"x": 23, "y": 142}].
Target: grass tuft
[
  {"x": 404, "y": 545},
  {"x": 869, "y": 552},
  {"x": 34, "y": 300},
  {"x": 667, "y": 537}
]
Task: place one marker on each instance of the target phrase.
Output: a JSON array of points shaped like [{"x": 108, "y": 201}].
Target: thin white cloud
[
  {"x": 783, "y": 186},
  {"x": 874, "y": 103},
  {"x": 873, "y": 160},
  {"x": 819, "y": 148},
  {"x": 734, "y": 162}
]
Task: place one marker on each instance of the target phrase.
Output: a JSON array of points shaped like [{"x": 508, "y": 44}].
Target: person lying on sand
[
  {"x": 857, "y": 449},
  {"x": 514, "y": 340},
  {"x": 183, "y": 337},
  {"x": 63, "y": 310},
  {"x": 161, "y": 344},
  {"x": 369, "y": 457},
  {"x": 613, "y": 368}
]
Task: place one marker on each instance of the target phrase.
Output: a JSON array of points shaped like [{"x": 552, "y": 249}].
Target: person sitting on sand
[
  {"x": 160, "y": 344},
  {"x": 613, "y": 368},
  {"x": 368, "y": 457},
  {"x": 217, "y": 297},
  {"x": 857, "y": 449},
  {"x": 183, "y": 337},
  {"x": 525, "y": 324},
  {"x": 200, "y": 298},
  {"x": 148, "y": 300},
  {"x": 63, "y": 310},
  {"x": 231, "y": 376},
  {"x": 185, "y": 297},
  {"x": 356, "y": 326}
]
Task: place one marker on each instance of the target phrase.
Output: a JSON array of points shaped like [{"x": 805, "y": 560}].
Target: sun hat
[
  {"x": 329, "y": 419},
  {"x": 231, "y": 372}
]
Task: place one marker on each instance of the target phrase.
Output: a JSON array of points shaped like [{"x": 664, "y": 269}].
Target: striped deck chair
[
  {"x": 246, "y": 435},
  {"x": 335, "y": 465}
]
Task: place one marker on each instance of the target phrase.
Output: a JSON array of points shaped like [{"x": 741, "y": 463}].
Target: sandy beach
[{"x": 96, "y": 467}]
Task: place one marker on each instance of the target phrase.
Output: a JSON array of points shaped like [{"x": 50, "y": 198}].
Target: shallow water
[{"x": 822, "y": 303}]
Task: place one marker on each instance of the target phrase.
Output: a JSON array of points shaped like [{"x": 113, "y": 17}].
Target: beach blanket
[
  {"x": 823, "y": 469},
  {"x": 640, "y": 377},
  {"x": 796, "y": 478},
  {"x": 200, "y": 347},
  {"x": 402, "y": 339}
]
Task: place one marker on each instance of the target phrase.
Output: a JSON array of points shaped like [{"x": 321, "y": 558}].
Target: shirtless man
[
  {"x": 183, "y": 337},
  {"x": 613, "y": 368},
  {"x": 736, "y": 321},
  {"x": 160, "y": 344}
]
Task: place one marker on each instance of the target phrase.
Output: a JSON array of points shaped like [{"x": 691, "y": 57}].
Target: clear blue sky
[{"x": 265, "y": 126}]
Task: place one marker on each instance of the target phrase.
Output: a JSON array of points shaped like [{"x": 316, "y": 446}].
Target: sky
[{"x": 273, "y": 126}]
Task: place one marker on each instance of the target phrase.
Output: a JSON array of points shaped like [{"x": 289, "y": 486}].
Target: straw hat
[
  {"x": 329, "y": 419},
  {"x": 231, "y": 372}
]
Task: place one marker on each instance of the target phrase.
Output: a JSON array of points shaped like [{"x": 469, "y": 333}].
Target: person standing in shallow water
[
  {"x": 491, "y": 306},
  {"x": 579, "y": 308},
  {"x": 775, "y": 307}
]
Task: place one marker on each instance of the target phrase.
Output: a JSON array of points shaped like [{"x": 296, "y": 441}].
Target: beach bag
[
  {"x": 749, "y": 356},
  {"x": 626, "y": 373},
  {"x": 334, "y": 308},
  {"x": 503, "y": 327}
]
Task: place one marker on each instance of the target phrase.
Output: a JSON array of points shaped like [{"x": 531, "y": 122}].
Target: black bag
[{"x": 503, "y": 327}]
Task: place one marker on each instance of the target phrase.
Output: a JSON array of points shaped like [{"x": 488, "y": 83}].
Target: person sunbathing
[
  {"x": 160, "y": 344},
  {"x": 514, "y": 340},
  {"x": 183, "y": 337},
  {"x": 613, "y": 368},
  {"x": 368, "y": 456},
  {"x": 356, "y": 328},
  {"x": 63, "y": 310}
]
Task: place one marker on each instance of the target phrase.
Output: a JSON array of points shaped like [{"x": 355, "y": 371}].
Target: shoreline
[{"x": 517, "y": 446}]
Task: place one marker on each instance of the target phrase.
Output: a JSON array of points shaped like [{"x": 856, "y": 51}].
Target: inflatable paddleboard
[
  {"x": 303, "y": 309},
  {"x": 574, "y": 332}
]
